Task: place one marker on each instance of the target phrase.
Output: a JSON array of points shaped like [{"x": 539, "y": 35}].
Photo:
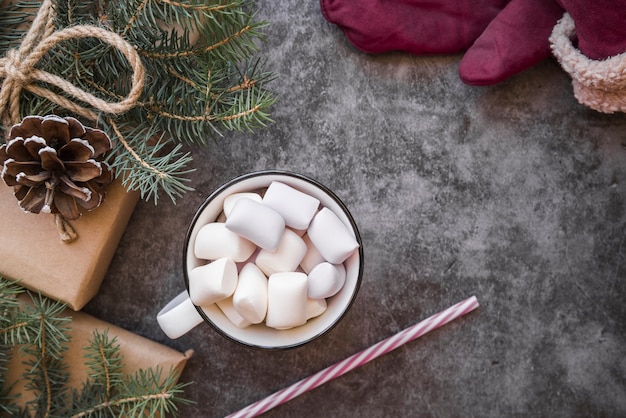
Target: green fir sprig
[
  {"x": 203, "y": 78},
  {"x": 39, "y": 334}
]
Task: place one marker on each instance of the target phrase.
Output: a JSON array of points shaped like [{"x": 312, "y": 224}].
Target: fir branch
[
  {"x": 52, "y": 329},
  {"x": 145, "y": 393},
  {"x": 17, "y": 331},
  {"x": 150, "y": 168},
  {"x": 15, "y": 325},
  {"x": 14, "y": 20},
  {"x": 133, "y": 18},
  {"x": 104, "y": 362},
  {"x": 46, "y": 372},
  {"x": 137, "y": 403},
  {"x": 199, "y": 7},
  {"x": 145, "y": 384},
  {"x": 9, "y": 291},
  {"x": 203, "y": 49},
  {"x": 8, "y": 406}
]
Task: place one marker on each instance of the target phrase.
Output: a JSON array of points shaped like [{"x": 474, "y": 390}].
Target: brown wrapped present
[
  {"x": 32, "y": 252},
  {"x": 138, "y": 352}
]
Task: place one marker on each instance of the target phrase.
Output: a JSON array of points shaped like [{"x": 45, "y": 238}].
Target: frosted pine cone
[{"x": 56, "y": 165}]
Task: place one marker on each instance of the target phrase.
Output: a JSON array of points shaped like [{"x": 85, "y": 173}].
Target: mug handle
[{"x": 179, "y": 316}]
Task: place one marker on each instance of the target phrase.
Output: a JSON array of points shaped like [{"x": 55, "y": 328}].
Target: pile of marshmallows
[{"x": 276, "y": 258}]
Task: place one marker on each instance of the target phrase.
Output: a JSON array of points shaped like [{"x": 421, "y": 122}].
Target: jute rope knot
[
  {"x": 18, "y": 71},
  {"x": 598, "y": 84},
  {"x": 13, "y": 68}
]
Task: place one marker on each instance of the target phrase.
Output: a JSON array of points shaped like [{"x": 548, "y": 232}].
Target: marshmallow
[
  {"x": 296, "y": 207},
  {"x": 230, "y": 200},
  {"x": 331, "y": 237},
  {"x": 256, "y": 222},
  {"x": 250, "y": 297},
  {"x": 212, "y": 282},
  {"x": 215, "y": 241},
  {"x": 250, "y": 259},
  {"x": 325, "y": 280},
  {"x": 315, "y": 307},
  {"x": 286, "y": 300},
  {"x": 179, "y": 316},
  {"x": 286, "y": 257},
  {"x": 312, "y": 257},
  {"x": 300, "y": 232},
  {"x": 228, "y": 309}
]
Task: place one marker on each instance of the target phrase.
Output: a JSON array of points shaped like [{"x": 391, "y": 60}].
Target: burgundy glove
[
  {"x": 600, "y": 26},
  {"x": 514, "y": 41},
  {"x": 415, "y": 26},
  {"x": 518, "y": 37}
]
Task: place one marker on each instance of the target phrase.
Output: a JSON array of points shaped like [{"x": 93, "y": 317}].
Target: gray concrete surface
[{"x": 514, "y": 193}]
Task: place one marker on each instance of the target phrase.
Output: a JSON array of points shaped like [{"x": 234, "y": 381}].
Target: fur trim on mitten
[{"x": 598, "y": 84}]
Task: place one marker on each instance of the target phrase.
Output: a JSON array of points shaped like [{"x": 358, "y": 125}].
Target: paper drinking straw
[{"x": 358, "y": 359}]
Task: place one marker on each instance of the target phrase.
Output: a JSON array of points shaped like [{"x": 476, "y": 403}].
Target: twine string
[{"x": 19, "y": 72}]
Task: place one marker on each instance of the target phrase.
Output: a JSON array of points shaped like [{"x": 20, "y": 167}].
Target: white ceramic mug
[{"x": 180, "y": 315}]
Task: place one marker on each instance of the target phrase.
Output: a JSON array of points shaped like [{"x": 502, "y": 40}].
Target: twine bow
[{"x": 18, "y": 72}]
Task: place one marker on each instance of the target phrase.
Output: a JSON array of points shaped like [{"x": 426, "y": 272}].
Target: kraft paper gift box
[
  {"x": 32, "y": 252},
  {"x": 138, "y": 352}
]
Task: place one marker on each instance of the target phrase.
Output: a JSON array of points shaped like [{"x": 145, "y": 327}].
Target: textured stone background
[{"x": 513, "y": 193}]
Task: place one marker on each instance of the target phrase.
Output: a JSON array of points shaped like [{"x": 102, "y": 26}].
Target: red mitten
[
  {"x": 514, "y": 41},
  {"x": 600, "y": 26},
  {"x": 598, "y": 65},
  {"x": 415, "y": 26}
]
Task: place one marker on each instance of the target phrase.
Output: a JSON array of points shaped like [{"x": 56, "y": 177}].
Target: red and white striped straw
[{"x": 358, "y": 359}]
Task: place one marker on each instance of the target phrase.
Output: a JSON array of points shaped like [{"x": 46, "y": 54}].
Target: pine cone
[{"x": 56, "y": 165}]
